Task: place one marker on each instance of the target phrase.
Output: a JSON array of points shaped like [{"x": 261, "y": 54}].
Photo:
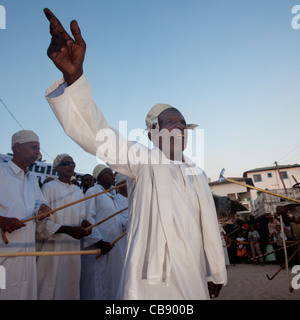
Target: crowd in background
[{"x": 254, "y": 238}]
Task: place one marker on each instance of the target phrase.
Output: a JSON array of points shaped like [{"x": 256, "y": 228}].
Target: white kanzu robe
[
  {"x": 100, "y": 278},
  {"x": 173, "y": 228},
  {"x": 59, "y": 276},
  {"x": 122, "y": 202},
  {"x": 20, "y": 197}
]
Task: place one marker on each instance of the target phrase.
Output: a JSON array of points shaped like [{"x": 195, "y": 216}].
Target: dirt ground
[{"x": 249, "y": 282}]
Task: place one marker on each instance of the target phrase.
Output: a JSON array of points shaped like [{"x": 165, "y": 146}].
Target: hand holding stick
[
  {"x": 42, "y": 215},
  {"x": 113, "y": 243}
]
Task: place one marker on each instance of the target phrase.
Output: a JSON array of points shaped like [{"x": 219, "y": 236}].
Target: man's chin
[{"x": 33, "y": 160}]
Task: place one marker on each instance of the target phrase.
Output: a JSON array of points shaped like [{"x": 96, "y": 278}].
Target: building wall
[
  {"x": 234, "y": 192},
  {"x": 270, "y": 179},
  {"x": 223, "y": 189}
]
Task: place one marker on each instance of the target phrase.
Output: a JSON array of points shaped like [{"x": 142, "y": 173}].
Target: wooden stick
[
  {"x": 4, "y": 237},
  {"x": 39, "y": 253},
  {"x": 293, "y": 243},
  {"x": 286, "y": 256},
  {"x": 100, "y": 222},
  {"x": 268, "y": 242},
  {"x": 72, "y": 203},
  {"x": 63, "y": 207},
  {"x": 121, "y": 236},
  {"x": 291, "y": 257},
  {"x": 113, "y": 243},
  {"x": 233, "y": 231}
]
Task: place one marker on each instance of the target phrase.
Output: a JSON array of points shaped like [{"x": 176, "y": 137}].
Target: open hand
[{"x": 66, "y": 53}]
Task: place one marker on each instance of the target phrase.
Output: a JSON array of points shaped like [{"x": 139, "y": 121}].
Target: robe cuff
[
  {"x": 58, "y": 88},
  {"x": 51, "y": 227},
  {"x": 92, "y": 239},
  {"x": 217, "y": 278}
]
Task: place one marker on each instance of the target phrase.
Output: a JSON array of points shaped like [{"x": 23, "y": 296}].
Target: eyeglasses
[{"x": 67, "y": 163}]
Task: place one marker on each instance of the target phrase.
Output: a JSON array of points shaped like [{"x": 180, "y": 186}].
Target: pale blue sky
[{"x": 230, "y": 66}]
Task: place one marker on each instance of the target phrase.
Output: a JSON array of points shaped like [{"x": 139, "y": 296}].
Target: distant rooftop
[
  {"x": 271, "y": 168},
  {"x": 244, "y": 180}
]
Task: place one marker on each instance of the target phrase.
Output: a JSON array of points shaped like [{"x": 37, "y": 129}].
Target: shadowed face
[
  {"x": 172, "y": 134},
  {"x": 66, "y": 168},
  {"x": 171, "y": 119},
  {"x": 27, "y": 152},
  {"x": 106, "y": 178},
  {"x": 87, "y": 181},
  {"x": 123, "y": 190}
]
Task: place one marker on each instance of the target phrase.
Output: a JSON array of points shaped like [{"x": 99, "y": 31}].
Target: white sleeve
[
  {"x": 84, "y": 122},
  {"x": 47, "y": 227}
]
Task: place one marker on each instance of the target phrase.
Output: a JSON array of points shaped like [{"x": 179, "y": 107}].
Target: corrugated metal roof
[{"x": 244, "y": 180}]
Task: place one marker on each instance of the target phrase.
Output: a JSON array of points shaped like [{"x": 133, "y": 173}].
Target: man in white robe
[
  {"x": 20, "y": 199},
  {"x": 100, "y": 278},
  {"x": 59, "y": 276},
  {"x": 174, "y": 248}
]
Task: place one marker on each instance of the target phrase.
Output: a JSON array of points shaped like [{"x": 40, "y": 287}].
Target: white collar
[{"x": 16, "y": 169}]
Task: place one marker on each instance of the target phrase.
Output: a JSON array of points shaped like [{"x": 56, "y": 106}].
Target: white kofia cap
[
  {"x": 24, "y": 136},
  {"x": 98, "y": 169},
  {"x": 156, "y": 110},
  {"x": 59, "y": 159}
]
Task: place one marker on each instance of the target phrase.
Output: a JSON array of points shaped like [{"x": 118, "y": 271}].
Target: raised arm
[
  {"x": 75, "y": 109},
  {"x": 66, "y": 52}
]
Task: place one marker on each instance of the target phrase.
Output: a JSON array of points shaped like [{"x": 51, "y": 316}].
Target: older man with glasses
[
  {"x": 174, "y": 248},
  {"x": 59, "y": 276}
]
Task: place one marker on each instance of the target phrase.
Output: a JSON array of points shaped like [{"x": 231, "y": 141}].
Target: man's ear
[
  {"x": 16, "y": 148},
  {"x": 57, "y": 169}
]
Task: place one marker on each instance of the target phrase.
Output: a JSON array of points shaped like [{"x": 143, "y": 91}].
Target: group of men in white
[
  {"x": 67, "y": 277},
  {"x": 173, "y": 246}
]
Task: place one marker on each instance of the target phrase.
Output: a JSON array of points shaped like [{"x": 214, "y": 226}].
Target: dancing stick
[
  {"x": 113, "y": 243},
  {"x": 273, "y": 251},
  {"x": 291, "y": 257},
  {"x": 97, "y": 224},
  {"x": 64, "y": 253},
  {"x": 63, "y": 207},
  {"x": 233, "y": 231},
  {"x": 221, "y": 178},
  {"x": 286, "y": 256},
  {"x": 4, "y": 237},
  {"x": 39, "y": 253}
]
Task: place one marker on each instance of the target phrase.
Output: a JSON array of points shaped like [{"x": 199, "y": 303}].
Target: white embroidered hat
[
  {"x": 155, "y": 111},
  {"x": 59, "y": 159},
  {"x": 24, "y": 136},
  {"x": 98, "y": 169}
]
